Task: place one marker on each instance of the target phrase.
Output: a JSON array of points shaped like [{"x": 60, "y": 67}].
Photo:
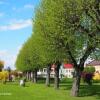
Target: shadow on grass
[
  {"x": 11, "y": 83},
  {"x": 16, "y": 84},
  {"x": 85, "y": 90},
  {"x": 66, "y": 86},
  {"x": 43, "y": 80},
  {"x": 93, "y": 90}
]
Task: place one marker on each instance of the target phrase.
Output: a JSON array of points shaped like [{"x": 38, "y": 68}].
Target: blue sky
[{"x": 15, "y": 27}]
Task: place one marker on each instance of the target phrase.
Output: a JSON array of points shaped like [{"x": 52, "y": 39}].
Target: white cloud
[
  {"x": 14, "y": 8},
  {"x": 1, "y": 2},
  {"x": 25, "y": 7},
  {"x": 29, "y": 6},
  {"x": 6, "y": 57},
  {"x": 3, "y": 53},
  {"x": 19, "y": 48},
  {"x": 1, "y": 14},
  {"x": 9, "y": 58},
  {"x": 16, "y": 26}
]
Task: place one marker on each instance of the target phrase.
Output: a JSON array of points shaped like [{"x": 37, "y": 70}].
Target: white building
[
  {"x": 66, "y": 70},
  {"x": 96, "y": 64}
]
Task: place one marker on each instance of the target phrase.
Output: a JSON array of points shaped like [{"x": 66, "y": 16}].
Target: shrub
[
  {"x": 88, "y": 74},
  {"x": 89, "y": 69},
  {"x": 96, "y": 76},
  {"x": 4, "y": 76},
  {"x": 87, "y": 77}
]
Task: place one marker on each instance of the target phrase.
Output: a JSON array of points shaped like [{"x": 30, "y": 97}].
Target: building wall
[
  {"x": 62, "y": 72},
  {"x": 97, "y": 68},
  {"x": 66, "y": 72}
]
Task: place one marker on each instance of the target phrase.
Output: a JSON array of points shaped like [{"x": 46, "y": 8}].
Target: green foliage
[
  {"x": 89, "y": 69},
  {"x": 22, "y": 62},
  {"x": 31, "y": 55},
  {"x": 68, "y": 26},
  {"x": 62, "y": 29}
]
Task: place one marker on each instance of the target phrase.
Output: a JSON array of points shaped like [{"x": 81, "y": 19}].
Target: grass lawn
[{"x": 12, "y": 91}]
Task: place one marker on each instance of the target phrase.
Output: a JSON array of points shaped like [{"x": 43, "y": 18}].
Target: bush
[
  {"x": 96, "y": 76},
  {"x": 4, "y": 76},
  {"x": 88, "y": 74},
  {"x": 87, "y": 77},
  {"x": 89, "y": 69}
]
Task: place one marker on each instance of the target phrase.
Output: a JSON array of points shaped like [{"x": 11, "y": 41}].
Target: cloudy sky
[{"x": 15, "y": 27}]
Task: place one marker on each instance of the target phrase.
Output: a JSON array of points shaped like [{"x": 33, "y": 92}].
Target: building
[
  {"x": 67, "y": 70},
  {"x": 43, "y": 72},
  {"x": 96, "y": 64}
]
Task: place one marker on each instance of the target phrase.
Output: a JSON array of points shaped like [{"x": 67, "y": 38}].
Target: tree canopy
[
  {"x": 63, "y": 29},
  {"x": 72, "y": 28}
]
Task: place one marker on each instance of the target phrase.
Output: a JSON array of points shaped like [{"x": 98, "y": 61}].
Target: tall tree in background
[
  {"x": 1, "y": 65},
  {"x": 22, "y": 62},
  {"x": 36, "y": 56}
]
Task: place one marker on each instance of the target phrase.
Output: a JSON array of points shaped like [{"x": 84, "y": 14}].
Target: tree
[
  {"x": 35, "y": 56},
  {"x": 1, "y": 65},
  {"x": 71, "y": 27},
  {"x": 30, "y": 57},
  {"x": 52, "y": 54},
  {"x": 23, "y": 60}
]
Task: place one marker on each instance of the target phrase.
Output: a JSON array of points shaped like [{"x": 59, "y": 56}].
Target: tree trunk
[
  {"x": 35, "y": 76},
  {"x": 48, "y": 75},
  {"x": 24, "y": 74},
  {"x": 76, "y": 84},
  {"x": 56, "y": 80},
  {"x": 29, "y": 75}
]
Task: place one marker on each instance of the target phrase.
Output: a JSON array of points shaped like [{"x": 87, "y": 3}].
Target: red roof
[
  {"x": 68, "y": 66},
  {"x": 53, "y": 66}
]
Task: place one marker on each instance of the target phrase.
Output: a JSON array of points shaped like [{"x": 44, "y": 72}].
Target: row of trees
[{"x": 62, "y": 29}]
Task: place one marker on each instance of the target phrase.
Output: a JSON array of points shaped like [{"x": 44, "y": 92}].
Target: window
[{"x": 67, "y": 71}]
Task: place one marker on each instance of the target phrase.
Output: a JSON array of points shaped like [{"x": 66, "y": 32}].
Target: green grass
[{"x": 41, "y": 92}]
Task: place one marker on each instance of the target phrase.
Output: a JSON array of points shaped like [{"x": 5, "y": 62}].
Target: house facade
[
  {"x": 96, "y": 64},
  {"x": 66, "y": 70}
]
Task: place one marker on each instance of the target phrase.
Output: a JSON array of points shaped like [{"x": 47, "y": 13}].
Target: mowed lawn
[{"x": 12, "y": 91}]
